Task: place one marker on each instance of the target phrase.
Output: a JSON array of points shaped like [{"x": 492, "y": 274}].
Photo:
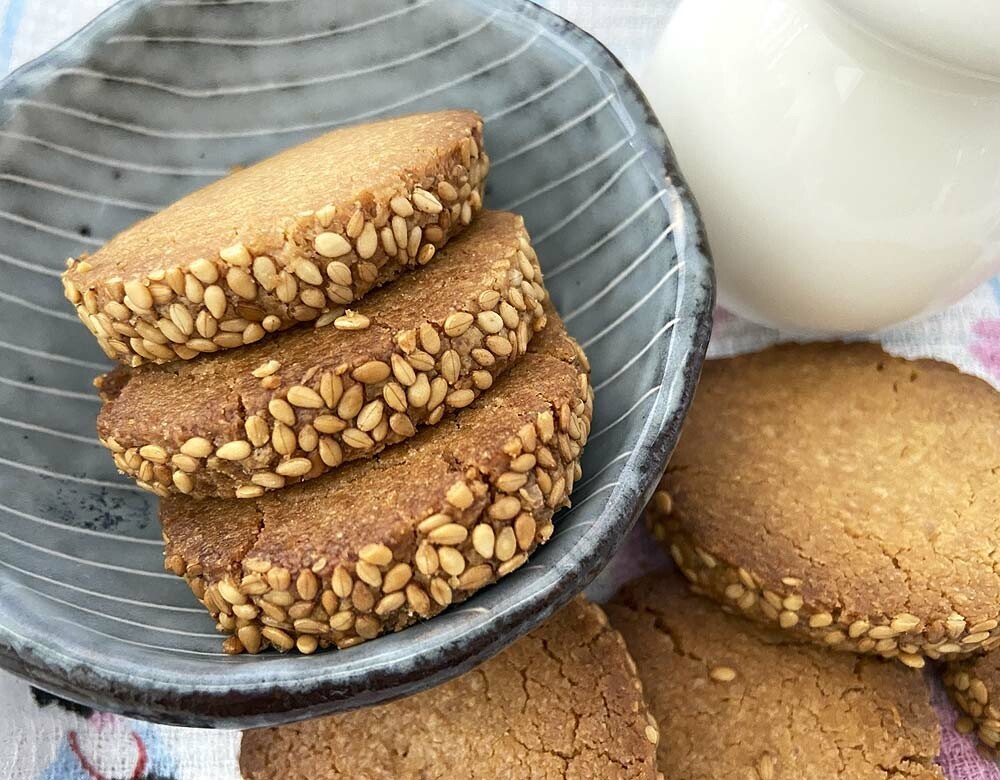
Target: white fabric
[{"x": 44, "y": 740}]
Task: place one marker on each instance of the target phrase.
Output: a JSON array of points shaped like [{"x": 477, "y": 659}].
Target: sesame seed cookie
[
  {"x": 845, "y": 495},
  {"x": 738, "y": 700},
  {"x": 562, "y": 702},
  {"x": 296, "y": 405},
  {"x": 379, "y": 544},
  {"x": 282, "y": 241},
  {"x": 974, "y": 685}
]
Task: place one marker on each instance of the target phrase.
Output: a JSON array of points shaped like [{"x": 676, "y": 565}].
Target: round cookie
[
  {"x": 844, "y": 495},
  {"x": 302, "y": 402},
  {"x": 738, "y": 700},
  {"x": 563, "y": 702},
  {"x": 974, "y": 685},
  {"x": 280, "y": 242},
  {"x": 379, "y": 544}
]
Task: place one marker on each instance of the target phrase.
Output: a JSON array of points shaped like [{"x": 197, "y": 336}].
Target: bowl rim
[{"x": 260, "y": 704}]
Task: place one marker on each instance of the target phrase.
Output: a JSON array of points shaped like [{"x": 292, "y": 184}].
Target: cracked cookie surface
[
  {"x": 563, "y": 702},
  {"x": 734, "y": 699},
  {"x": 845, "y": 495}
]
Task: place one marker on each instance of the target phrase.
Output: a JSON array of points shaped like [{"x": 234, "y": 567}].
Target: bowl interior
[{"x": 155, "y": 99}]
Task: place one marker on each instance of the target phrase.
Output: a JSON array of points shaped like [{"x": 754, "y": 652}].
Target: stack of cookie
[{"x": 266, "y": 369}]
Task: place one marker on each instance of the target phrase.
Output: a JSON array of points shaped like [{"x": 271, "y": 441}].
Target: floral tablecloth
[{"x": 43, "y": 738}]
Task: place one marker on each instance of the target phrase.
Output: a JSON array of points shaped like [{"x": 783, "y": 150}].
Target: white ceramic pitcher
[{"x": 845, "y": 153}]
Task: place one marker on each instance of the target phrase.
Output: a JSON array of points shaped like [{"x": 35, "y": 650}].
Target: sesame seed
[
  {"x": 351, "y": 321},
  {"x": 330, "y": 452},
  {"x": 376, "y": 554},
  {"x": 368, "y": 573},
  {"x": 401, "y": 206},
  {"x": 489, "y": 322},
  {"x": 395, "y": 396},
  {"x": 331, "y": 245},
  {"x": 305, "y": 397},
  {"x": 426, "y": 559},
  {"x": 307, "y": 585},
  {"x": 367, "y": 242},
  {"x": 268, "y": 480},
  {"x": 249, "y": 491},
  {"x": 460, "y": 398},
  {"x": 234, "y": 450},
  {"x": 440, "y": 592},
  {"x": 278, "y": 638},
  {"x": 424, "y": 201},
  {"x": 351, "y": 402},
  {"x": 451, "y": 560},
  {"x": 820, "y": 620},
  {"x": 266, "y": 369},
  {"x": 475, "y": 577},
  {"x": 913, "y": 660},
  {"x": 451, "y": 366},
  {"x": 357, "y": 439},
  {"x": 182, "y": 482},
  {"x": 215, "y": 301},
  {"x": 459, "y": 495},
  {"x": 457, "y": 323},
  {"x": 447, "y": 191},
  {"x": 450, "y": 534},
  {"x": 506, "y": 544},
  {"x": 427, "y": 251},
  {"x": 432, "y": 522},
  {"x": 390, "y": 603},
  {"x": 372, "y": 372},
  {"x": 241, "y": 283},
  {"x": 308, "y": 273},
  {"x": 237, "y": 255},
  {"x": 429, "y": 338},
  {"x": 397, "y": 578},
  {"x": 138, "y": 294},
  {"x": 483, "y": 540},
  {"x": 787, "y": 619},
  {"x": 281, "y": 410},
  {"x": 154, "y": 453},
  {"x": 722, "y": 674},
  {"x": 904, "y": 622},
  {"x": 652, "y": 734},
  {"x": 283, "y": 439},
  {"x": 294, "y": 467}
]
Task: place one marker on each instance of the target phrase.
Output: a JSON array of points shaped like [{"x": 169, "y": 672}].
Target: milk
[{"x": 848, "y": 180}]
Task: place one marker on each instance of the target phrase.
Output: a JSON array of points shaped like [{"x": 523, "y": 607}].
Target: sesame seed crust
[
  {"x": 377, "y": 545},
  {"x": 297, "y": 405},
  {"x": 972, "y": 684},
  {"x": 844, "y": 495},
  {"x": 573, "y": 670},
  {"x": 739, "y": 700},
  {"x": 285, "y": 241}
]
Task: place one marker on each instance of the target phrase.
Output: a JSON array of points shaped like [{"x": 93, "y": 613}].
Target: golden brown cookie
[
  {"x": 563, "y": 702},
  {"x": 378, "y": 544},
  {"x": 284, "y": 241},
  {"x": 738, "y": 700},
  {"x": 845, "y": 495},
  {"x": 302, "y": 402},
  {"x": 974, "y": 685}
]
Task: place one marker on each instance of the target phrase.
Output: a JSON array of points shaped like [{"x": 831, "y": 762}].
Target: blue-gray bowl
[{"x": 154, "y": 99}]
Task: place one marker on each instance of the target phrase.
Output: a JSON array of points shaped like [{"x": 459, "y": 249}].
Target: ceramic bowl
[{"x": 155, "y": 99}]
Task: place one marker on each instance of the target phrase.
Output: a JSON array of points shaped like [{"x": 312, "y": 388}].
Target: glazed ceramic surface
[{"x": 155, "y": 99}]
